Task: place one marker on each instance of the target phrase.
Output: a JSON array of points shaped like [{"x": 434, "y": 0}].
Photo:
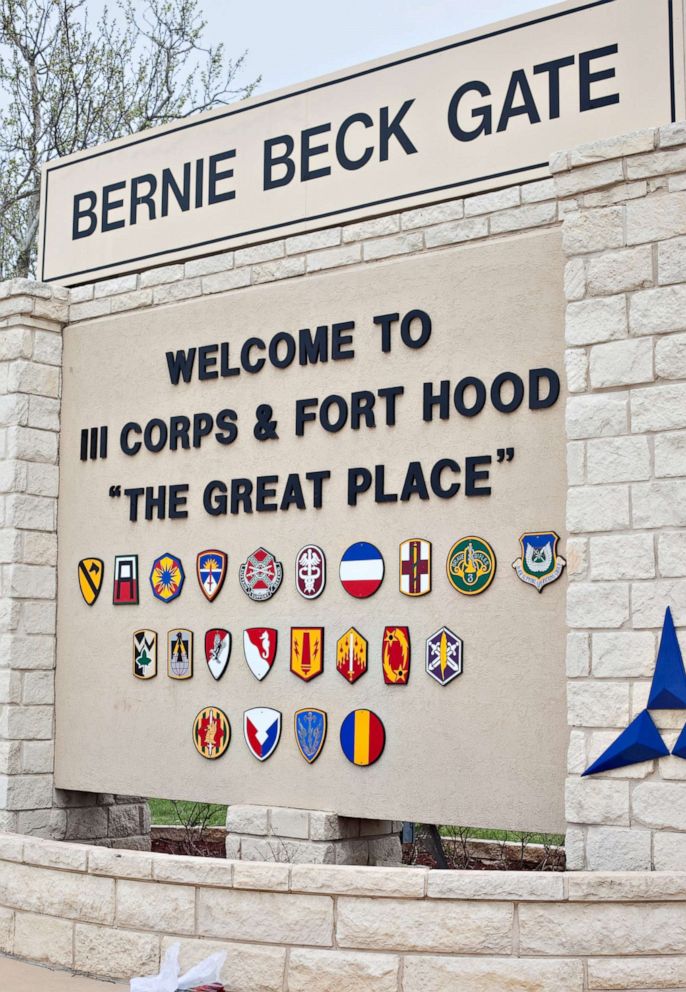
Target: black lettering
[
  {"x": 440, "y": 399},
  {"x": 202, "y": 426},
  {"x": 179, "y": 429},
  {"x": 303, "y": 415},
  {"x": 214, "y": 498},
  {"x": 180, "y": 363},
  {"x": 292, "y": 493},
  {"x": 177, "y": 502},
  {"x": 241, "y": 493},
  {"x": 124, "y": 443},
  {"x": 315, "y": 348},
  {"x": 389, "y": 393},
  {"x": 474, "y": 476},
  {"x": 137, "y": 198},
  {"x": 307, "y": 152},
  {"x": 216, "y": 176},
  {"x": 245, "y": 355},
  {"x": 437, "y": 487},
  {"x": 483, "y": 114},
  {"x": 588, "y": 78},
  {"x": 266, "y": 491},
  {"x": 339, "y": 340},
  {"x": 228, "y": 432},
  {"x": 133, "y": 495},
  {"x": 553, "y": 69},
  {"x": 225, "y": 363},
  {"x": 425, "y": 331},
  {"x": 270, "y": 160},
  {"x": 518, "y": 81},
  {"x": 81, "y": 211},
  {"x": 155, "y": 506},
  {"x": 344, "y": 159},
  {"x": 380, "y": 494},
  {"x": 415, "y": 483},
  {"x": 393, "y": 129},
  {"x": 359, "y": 481},
  {"x": 384, "y": 321},
  {"x": 287, "y": 339},
  {"x": 362, "y": 408},
  {"x": 479, "y": 396},
  {"x": 333, "y": 426},
  {"x": 536, "y": 376},
  {"x": 150, "y": 428},
  {"x": 108, "y": 204},
  {"x": 182, "y": 196},
  {"x": 317, "y": 479},
  {"x": 517, "y": 392}
]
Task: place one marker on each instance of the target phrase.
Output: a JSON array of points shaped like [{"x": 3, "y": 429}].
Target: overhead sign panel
[{"x": 474, "y": 112}]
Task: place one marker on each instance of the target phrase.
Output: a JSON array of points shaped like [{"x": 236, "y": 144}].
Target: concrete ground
[{"x": 15, "y": 976}]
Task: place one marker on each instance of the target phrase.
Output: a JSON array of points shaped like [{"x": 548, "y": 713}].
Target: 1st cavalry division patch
[
  {"x": 471, "y": 565},
  {"x": 211, "y": 570},
  {"x": 145, "y": 654},
  {"x": 362, "y": 737},
  {"x": 91, "y": 574},
  {"x": 180, "y": 653},
  {"x": 310, "y": 733},
  {"x": 211, "y": 732},
  {"x": 260, "y": 575},
  {"x": 540, "y": 563},
  {"x": 307, "y": 652}
]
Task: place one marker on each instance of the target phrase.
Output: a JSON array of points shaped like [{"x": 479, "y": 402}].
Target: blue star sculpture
[{"x": 641, "y": 740}]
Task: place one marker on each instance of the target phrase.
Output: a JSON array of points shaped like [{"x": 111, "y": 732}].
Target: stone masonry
[
  {"x": 280, "y": 833},
  {"x": 624, "y": 234},
  {"x": 31, "y": 319}
]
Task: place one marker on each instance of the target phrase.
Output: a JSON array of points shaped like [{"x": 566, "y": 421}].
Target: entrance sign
[
  {"x": 473, "y": 112},
  {"x": 402, "y": 422}
]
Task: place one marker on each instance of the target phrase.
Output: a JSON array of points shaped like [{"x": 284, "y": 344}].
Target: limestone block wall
[
  {"x": 624, "y": 234},
  {"x": 31, "y": 319},
  {"x": 337, "y": 928}
]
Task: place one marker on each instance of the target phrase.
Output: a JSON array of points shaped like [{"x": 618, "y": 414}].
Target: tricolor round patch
[
  {"x": 361, "y": 570},
  {"x": 362, "y": 737}
]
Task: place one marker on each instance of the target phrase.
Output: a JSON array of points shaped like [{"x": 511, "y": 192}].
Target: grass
[{"x": 163, "y": 813}]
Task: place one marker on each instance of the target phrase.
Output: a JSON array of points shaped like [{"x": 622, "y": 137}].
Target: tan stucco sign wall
[
  {"x": 486, "y": 749},
  {"x": 473, "y": 112}
]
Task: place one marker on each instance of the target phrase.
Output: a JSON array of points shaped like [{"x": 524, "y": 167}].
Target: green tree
[{"x": 67, "y": 84}]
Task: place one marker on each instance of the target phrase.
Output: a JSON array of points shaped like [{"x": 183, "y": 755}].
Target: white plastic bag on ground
[{"x": 168, "y": 979}]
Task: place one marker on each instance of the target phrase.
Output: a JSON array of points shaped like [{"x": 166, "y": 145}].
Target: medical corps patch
[
  {"x": 396, "y": 655},
  {"x": 310, "y": 571},
  {"x": 211, "y": 569},
  {"x": 540, "y": 563},
  {"x": 260, "y": 575},
  {"x": 91, "y": 573},
  {"x": 262, "y": 730},
  {"x": 415, "y": 567},
  {"x": 310, "y": 733},
  {"x": 259, "y": 648},
  {"x": 211, "y": 732},
  {"x": 217, "y": 651},
  {"x": 307, "y": 652}
]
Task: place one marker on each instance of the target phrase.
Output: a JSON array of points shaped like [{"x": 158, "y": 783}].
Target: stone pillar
[
  {"x": 31, "y": 319},
  {"x": 296, "y": 836},
  {"x": 624, "y": 232}
]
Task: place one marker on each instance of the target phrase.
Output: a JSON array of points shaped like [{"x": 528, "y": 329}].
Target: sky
[{"x": 290, "y": 41}]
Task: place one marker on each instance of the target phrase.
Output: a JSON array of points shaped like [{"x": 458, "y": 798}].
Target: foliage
[
  {"x": 168, "y": 812},
  {"x": 67, "y": 84}
]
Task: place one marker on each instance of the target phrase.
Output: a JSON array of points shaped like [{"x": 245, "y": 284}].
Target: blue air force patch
[{"x": 540, "y": 563}]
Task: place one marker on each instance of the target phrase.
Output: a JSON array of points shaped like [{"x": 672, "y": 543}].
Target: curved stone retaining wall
[{"x": 303, "y": 927}]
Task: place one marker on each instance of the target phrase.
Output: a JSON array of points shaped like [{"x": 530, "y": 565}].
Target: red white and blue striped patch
[{"x": 361, "y": 570}]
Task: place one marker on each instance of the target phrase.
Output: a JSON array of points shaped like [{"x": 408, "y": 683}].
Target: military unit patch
[
  {"x": 444, "y": 655},
  {"x": 91, "y": 574},
  {"x": 307, "y": 652},
  {"x": 362, "y": 737},
  {"x": 180, "y": 653},
  {"x": 310, "y": 571},
  {"x": 211, "y": 570},
  {"x": 211, "y": 732},
  {"x": 540, "y": 563},
  {"x": 260, "y": 575},
  {"x": 167, "y": 577},
  {"x": 361, "y": 570},
  {"x": 351, "y": 655},
  {"x": 415, "y": 567},
  {"x": 396, "y": 655},
  {"x": 262, "y": 730},
  {"x": 259, "y": 648},
  {"x": 217, "y": 651},
  {"x": 125, "y": 580},
  {"x": 471, "y": 565},
  {"x": 144, "y": 654},
  {"x": 310, "y": 733}
]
